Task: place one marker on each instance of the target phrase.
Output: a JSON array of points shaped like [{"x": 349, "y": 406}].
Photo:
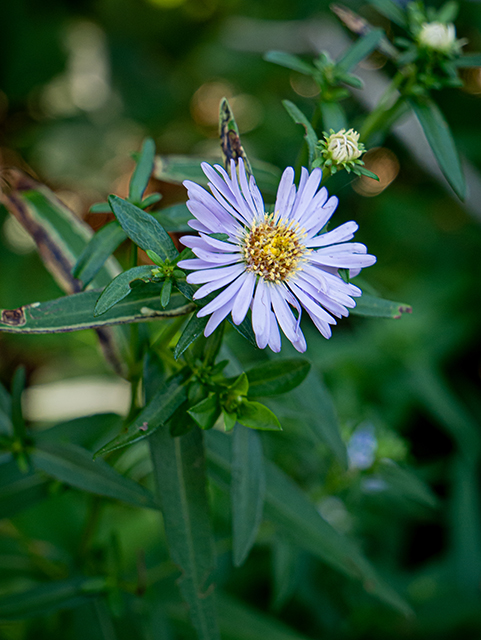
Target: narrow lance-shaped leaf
[
  {"x": 247, "y": 490},
  {"x": 181, "y": 484},
  {"x": 50, "y": 597},
  {"x": 333, "y": 116},
  {"x": 74, "y": 465},
  {"x": 368, "y": 305},
  {"x": 299, "y": 118},
  {"x": 441, "y": 142},
  {"x": 143, "y": 229},
  {"x": 391, "y": 10},
  {"x": 277, "y": 376},
  {"x": 193, "y": 330},
  {"x": 97, "y": 251},
  {"x": 291, "y": 62},
  {"x": 469, "y": 60},
  {"x": 143, "y": 171},
  {"x": 18, "y": 490},
  {"x": 18, "y": 385},
  {"x": 161, "y": 406},
  {"x": 360, "y": 50},
  {"x": 120, "y": 288},
  {"x": 73, "y": 313}
]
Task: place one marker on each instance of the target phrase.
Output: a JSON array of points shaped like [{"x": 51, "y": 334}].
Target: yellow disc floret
[{"x": 274, "y": 248}]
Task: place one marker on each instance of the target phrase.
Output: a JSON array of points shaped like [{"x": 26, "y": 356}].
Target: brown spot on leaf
[{"x": 14, "y": 317}]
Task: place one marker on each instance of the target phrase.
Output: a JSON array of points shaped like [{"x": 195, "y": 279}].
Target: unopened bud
[
  {"x": 343, "y": 146},
  {"x": 438, "y": 37}
]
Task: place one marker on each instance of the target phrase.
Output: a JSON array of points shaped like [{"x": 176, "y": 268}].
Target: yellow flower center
[{"x": 273, "y": 250}]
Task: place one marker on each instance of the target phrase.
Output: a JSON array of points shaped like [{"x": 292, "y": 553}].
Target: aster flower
[{"x": 274, "y": 263}]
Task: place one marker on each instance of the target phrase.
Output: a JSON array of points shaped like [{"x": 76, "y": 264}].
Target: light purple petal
[
  {"x": 198, "y": 226},
  {"x": 206, "y": 275},
  {"x": 243, "y": 299},
  {"x": 261, "y": 309},
  {"x": 309, "y": 304},
  {"x": 218, "y": 283},
  {"x": 321, "y": 326},
  {"x": 305, "y": 197},
  {"x": 340, "y": 234},
  {"x": 284, "y": 315},
  {"x": 217, "y": 258},
  {"x": 321, "y": 218},
  {"x": 221, "y": 245},
  {"x": 283, "y": 193},
  {"x": 196, "y": 263},
  {"x": 216, "y": 318},
  {"x": 257, "y": 197},
  {"x": 245, "y": 186},
  {"x": 275, "y": 335},
  {"x": 222, "y": 298}
]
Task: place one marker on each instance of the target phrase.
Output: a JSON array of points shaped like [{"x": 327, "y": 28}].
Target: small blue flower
[{"x": 273, "y": 263}]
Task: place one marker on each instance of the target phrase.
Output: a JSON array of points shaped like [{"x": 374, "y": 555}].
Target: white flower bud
[
  {"x": 438, "y": 37},
  {"x": 343, "y": 146}
]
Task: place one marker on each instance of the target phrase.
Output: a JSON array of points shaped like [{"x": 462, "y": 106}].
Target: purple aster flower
[{"x": 273, "y": 263}]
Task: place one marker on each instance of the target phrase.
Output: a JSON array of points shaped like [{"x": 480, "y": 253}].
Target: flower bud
[
  {"x": 438, "y": 37},
  {"x": 343, "y": 146}
]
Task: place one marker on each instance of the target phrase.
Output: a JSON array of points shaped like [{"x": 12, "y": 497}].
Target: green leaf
[
  {"x": 311, "y": 405},
  {"x": 181, "y": 484},
  {"x": 469, "y": 60},
  {"x": 299, "y": 118},
  {"x": 206, "y": 412},
  {"x": 142, "y": 172},
  {"x": 156, "y": 413},
  {"x": 362, "y": 48},
  {"x": 291, "y": 62},
  {"x": 72, "y": 313},
  {"x": 6, "y": 427},
  {"x": 49, "y": 597},
  {"x": 247, "y": 491},
  {"x": 373, "y": 306},
  {"x": 143, "y": 229},
  {"x": 333, "y": 116},
  {"x": 300, "y": 522},
  {"x": 406, "y": 484},
  {"x": 193, "y": 330},
  {"x": 120, "y": 288},
  {"x": 96, "y": 252},
  {"x": 74, "y": 465},
  {"x": 100, "y": 207},
  {"x": 18, "y": 386},
  {"x": 176, "y": 169},
  {"x": 465, "y": 521},
  {"x": 284, "y": 561},
  {"x": 391, "y": 10},
  {"x": 257, "y": 416},
  {"x": 277, "y": 376},
  {"x": 239, "y": 621},
  {"x": 150, "y": 200},
  {"x": 165, "y": 293},
  {"x": 441, "y": 142},
  {"x": 245, "y": 329},
  {"x": 174, "y": 218},
  {"x": 86, "y": 431},
  {"x": 18, "y": 490}
]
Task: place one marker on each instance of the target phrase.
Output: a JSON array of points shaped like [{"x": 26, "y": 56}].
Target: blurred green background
[{"x": 82, "y": 83}]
